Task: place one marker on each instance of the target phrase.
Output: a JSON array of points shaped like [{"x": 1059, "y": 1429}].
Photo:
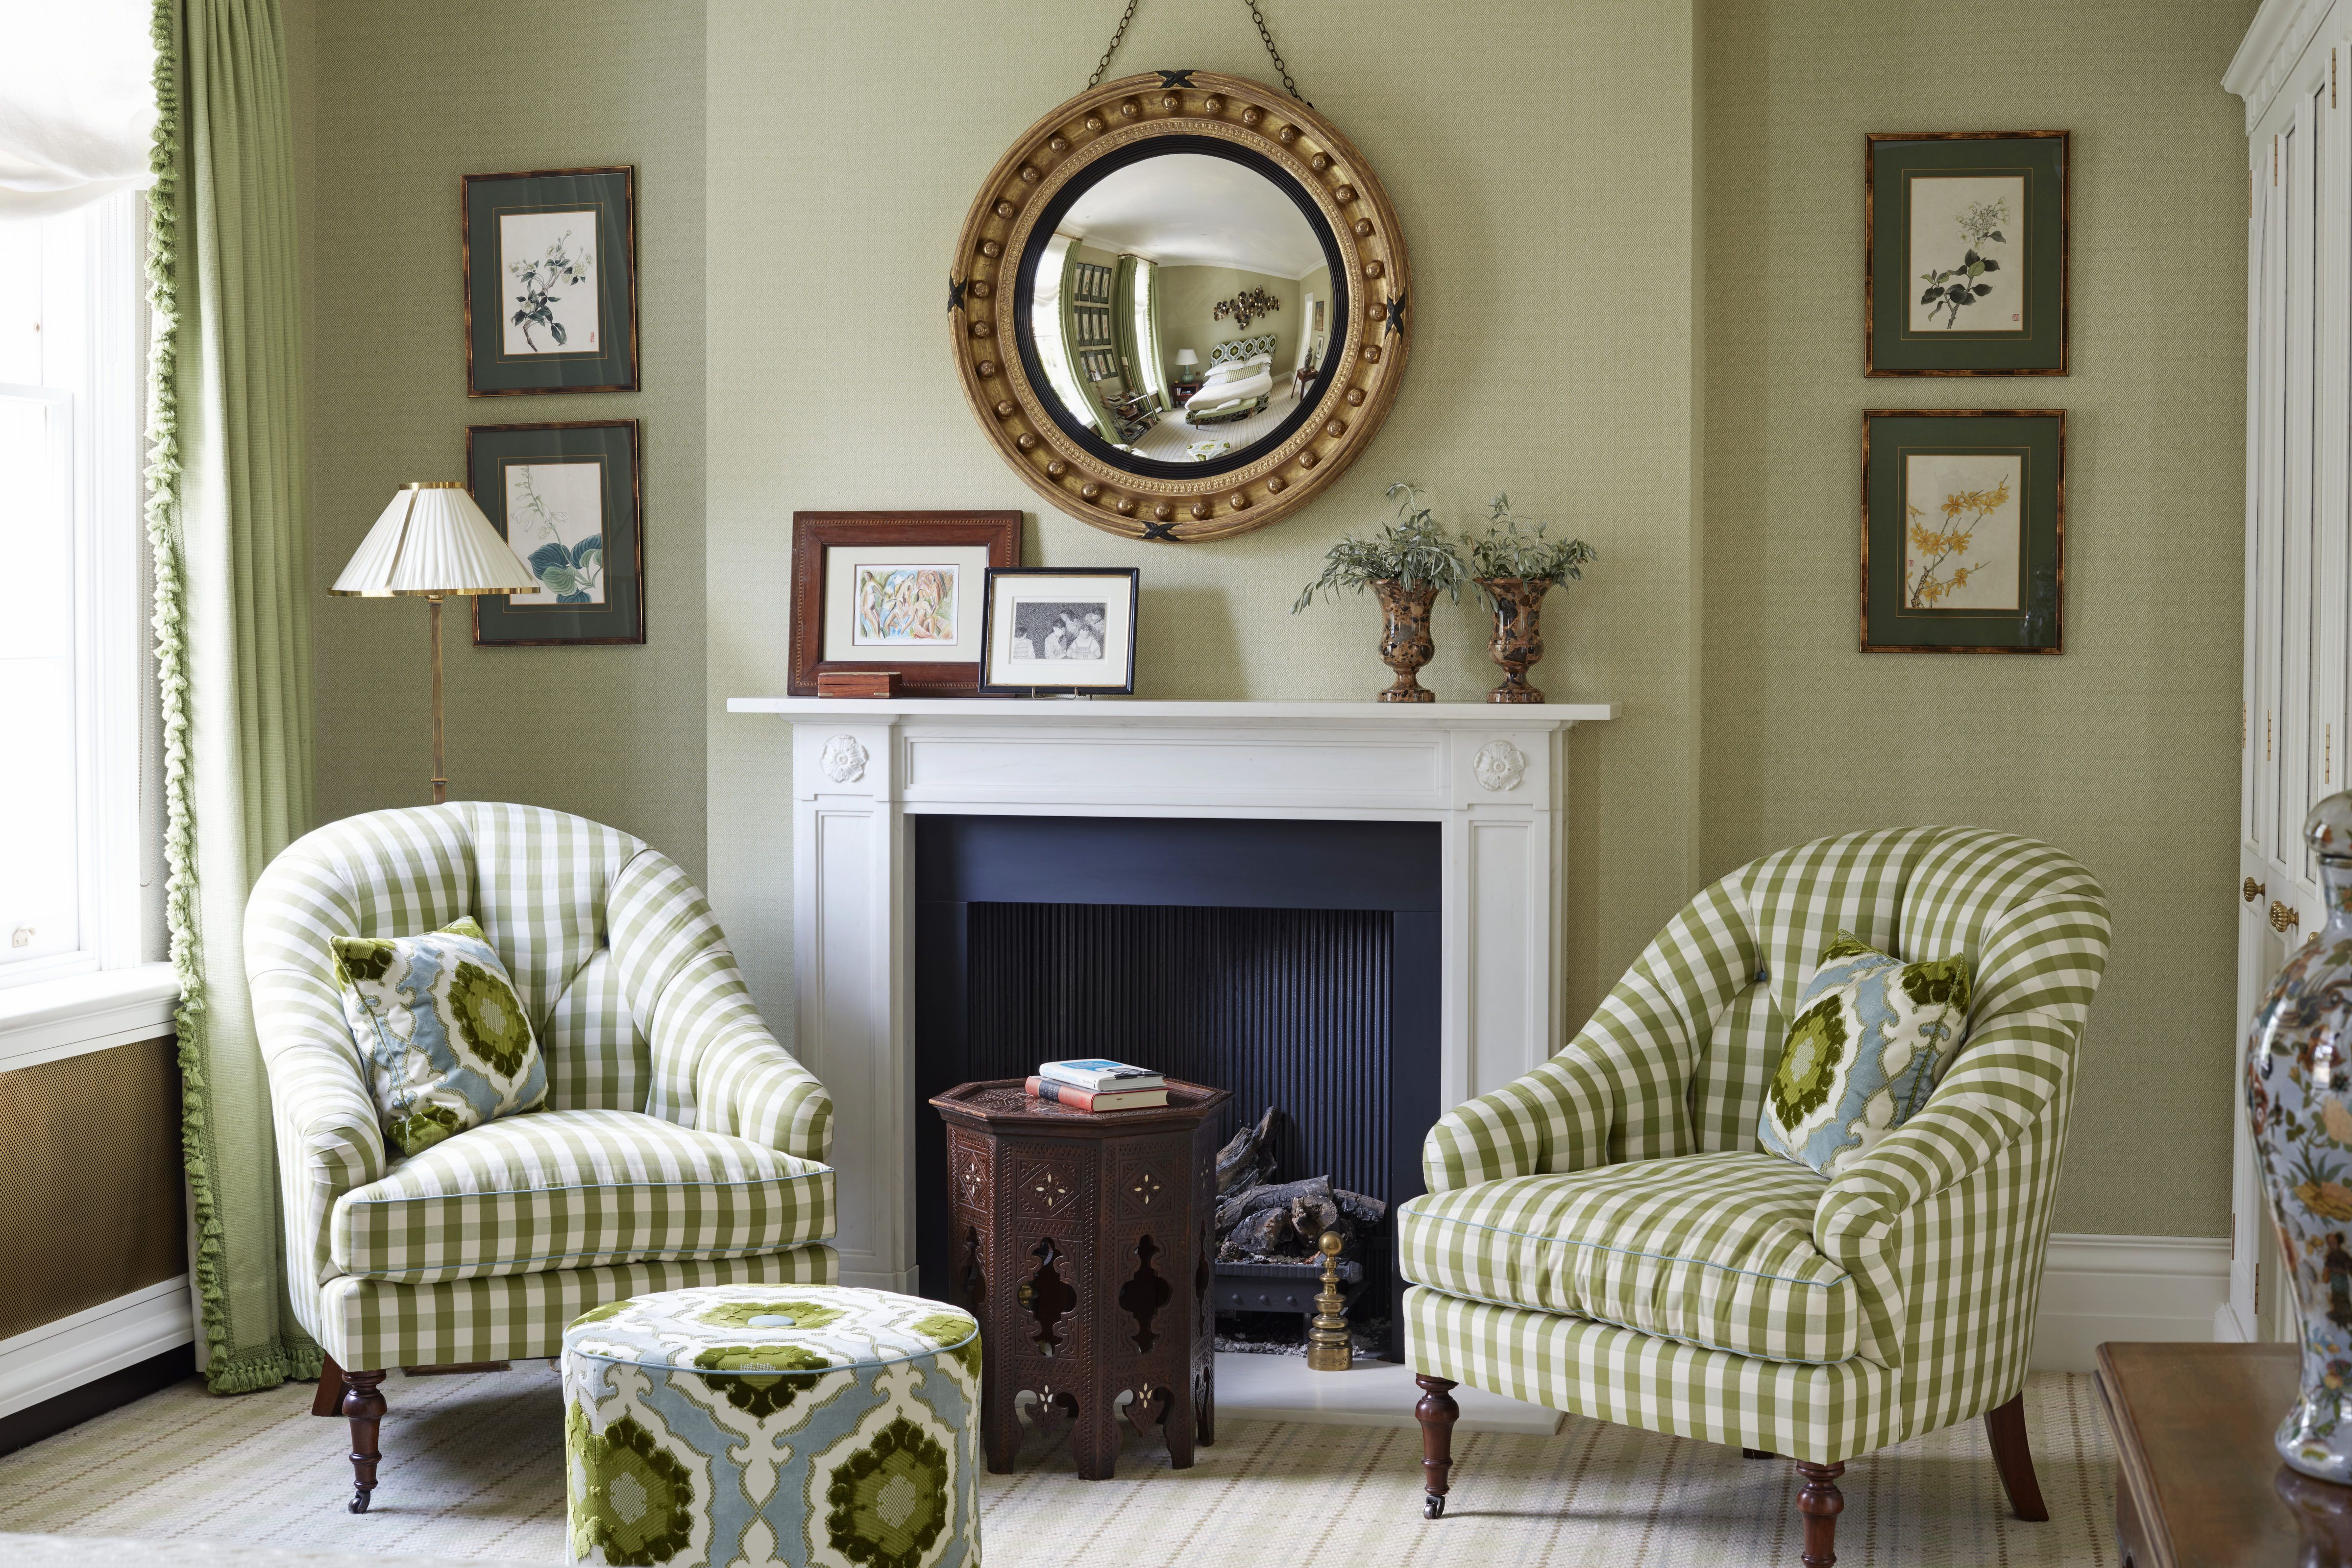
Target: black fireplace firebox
[{"x": 1296, "y": 964}]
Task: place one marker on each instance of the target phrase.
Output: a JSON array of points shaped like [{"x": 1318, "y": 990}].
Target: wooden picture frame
[
  {"x": 845, "y": 561},
  {"x": 1993, "y": 480},
  {"x": 521, "y": 335},
  {"x": 1093, "y": 607},
  {"x": 600, "y": 559},
  {"x": 1965, "y": 246}
]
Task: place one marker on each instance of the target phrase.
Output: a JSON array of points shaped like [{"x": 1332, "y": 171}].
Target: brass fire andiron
[{"x": 1328, "y": 1348}]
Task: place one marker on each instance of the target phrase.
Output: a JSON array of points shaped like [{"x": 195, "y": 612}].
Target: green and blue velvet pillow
[
  {"x": 1871, "y": 1036},
  {"x": 446, "y": 1039}
]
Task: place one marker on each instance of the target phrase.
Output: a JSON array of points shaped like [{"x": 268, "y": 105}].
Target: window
[
  {"x": 1151, "y": 377},
  {"x": 72, "y": 636},
  {"x": 1045, "y": 326}
]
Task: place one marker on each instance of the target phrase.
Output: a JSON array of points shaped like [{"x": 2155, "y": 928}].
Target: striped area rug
[{"x": 473, "y": 1472}]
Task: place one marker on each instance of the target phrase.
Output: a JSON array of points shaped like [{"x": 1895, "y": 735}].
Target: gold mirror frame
[{"x": 1373, "y": 342}]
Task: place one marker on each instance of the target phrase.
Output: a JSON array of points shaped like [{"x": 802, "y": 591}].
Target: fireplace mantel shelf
[
  {"x": 1491, "y": 777},
  {"x": 1126, "y": 710}
]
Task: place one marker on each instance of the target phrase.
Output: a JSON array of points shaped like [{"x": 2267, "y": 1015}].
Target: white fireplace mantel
[{"x": 1491, "y": 775}]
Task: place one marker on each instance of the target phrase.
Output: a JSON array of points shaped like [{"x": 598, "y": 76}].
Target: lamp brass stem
[{"x": 440, "y": 783}]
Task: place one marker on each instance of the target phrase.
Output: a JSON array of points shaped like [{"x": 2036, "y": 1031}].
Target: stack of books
[{"x": 1095, "y": 1085}]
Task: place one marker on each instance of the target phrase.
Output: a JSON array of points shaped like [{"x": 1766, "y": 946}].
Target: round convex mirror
[
  {"x": 1180, "y": 305},
  {"x": 1176, "y": 308}
]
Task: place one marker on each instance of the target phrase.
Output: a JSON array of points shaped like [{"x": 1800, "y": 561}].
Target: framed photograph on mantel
[
  {"x": 895, "y": 591},
  {"x": 1059, "y": 631},
  {"x": 1965, "y": 246},
  {"x": 550, "y": 263},
  {"x": 564, "y": 497},
  {"x": 1963, "y": 530}
]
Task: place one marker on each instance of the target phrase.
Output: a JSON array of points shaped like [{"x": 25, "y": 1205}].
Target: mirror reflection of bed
[{"x": 1180, "y": 307}]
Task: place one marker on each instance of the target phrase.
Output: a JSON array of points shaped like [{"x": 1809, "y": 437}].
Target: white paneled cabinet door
[{"x": 2298, "y": 562}]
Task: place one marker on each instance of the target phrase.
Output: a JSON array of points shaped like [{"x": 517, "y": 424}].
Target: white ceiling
[{"x": 1188, "y": 209}]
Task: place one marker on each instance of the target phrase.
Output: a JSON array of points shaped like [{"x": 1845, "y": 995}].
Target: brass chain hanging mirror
[{"x": 1180, "y": 304}]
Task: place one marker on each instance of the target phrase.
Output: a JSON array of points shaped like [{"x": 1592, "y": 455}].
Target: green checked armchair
[
  {"x": 1604, "y": 1235},
  {"x": 680, "y": 1144}
]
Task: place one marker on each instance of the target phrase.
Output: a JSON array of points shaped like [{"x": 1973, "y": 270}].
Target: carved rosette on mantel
[{"x": 1174, "y": 111}]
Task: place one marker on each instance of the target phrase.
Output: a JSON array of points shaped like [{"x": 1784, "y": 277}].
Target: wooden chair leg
[
  {"x": 1821, "y": 1502},
  {"x": 1438, "y": 1412},
  {"x": 329, "y": 1399},
  {"x": 363, "y": 1406},
  {"x": 2005, "y": 1427}
]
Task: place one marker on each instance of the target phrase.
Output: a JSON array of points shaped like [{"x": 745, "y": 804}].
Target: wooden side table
[
  {"x": 2197, "y": 1480},
  {"x": 1082, "y": 1245}
]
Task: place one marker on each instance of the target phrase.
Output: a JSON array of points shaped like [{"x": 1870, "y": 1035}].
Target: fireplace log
[
  {"x": 1245, "y": 1160},
  {"x": 1242, "y": 1206}
]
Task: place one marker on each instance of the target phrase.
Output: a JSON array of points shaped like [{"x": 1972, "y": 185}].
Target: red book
[{"x": 1078, "y": 1099}]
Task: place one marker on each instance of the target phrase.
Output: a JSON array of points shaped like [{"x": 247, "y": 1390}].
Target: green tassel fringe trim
[{"x": 225, "y": 1372}]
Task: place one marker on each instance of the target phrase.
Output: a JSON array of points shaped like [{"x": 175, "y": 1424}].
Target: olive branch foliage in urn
[
  {"x": 1405, "y": 563},
  {"x": 1515, "y": 563}
]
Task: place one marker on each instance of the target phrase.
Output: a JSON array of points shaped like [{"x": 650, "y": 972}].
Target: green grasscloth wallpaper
[
  {"x": 2124, "y": 749},
  {"x": 1635, "y": 235}
]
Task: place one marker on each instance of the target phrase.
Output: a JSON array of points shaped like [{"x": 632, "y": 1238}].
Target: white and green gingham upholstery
[
  {"x": 680, "y": 1146},
  {"x": 1899, "y": 1297}
]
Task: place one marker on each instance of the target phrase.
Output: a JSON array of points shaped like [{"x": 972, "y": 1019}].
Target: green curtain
[
  {"x": 1122, "y": 326},
  {"x": 232, "y": 622}
]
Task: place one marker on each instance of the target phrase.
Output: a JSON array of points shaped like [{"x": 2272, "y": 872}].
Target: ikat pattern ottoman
[{"x": 817, "y": 1426}]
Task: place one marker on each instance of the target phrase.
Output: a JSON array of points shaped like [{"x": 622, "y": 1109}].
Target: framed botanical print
[
  {"x": 1964, "y": 240},
  {"x": 1963, "y": 530},
  {"x": 565, "y": 500},
  {"x": 1057, "y": 631},
  {"x": 895, "y": 591},
  {"x": 550, "y": 263}
]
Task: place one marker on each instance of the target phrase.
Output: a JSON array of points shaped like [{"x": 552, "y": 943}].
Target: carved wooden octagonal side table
[{"x": 1082, "y": 1245}]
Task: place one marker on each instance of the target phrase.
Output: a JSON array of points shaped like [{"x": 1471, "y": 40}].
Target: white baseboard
[
  {"x": 59, "y": 1357},
  {"x": 2098, "y": 1288}
]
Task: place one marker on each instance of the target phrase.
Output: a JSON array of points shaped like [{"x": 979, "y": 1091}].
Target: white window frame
[{"x": 95, "y": 438}]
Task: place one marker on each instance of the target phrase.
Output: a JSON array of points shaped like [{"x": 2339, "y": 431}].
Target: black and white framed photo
[{"x": 1059, "y": 631}]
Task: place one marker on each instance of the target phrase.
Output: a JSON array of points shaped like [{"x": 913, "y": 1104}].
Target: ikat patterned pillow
[
  {"x": 1873, "y": 1035},
  {"x": 446, "y": 1039}
]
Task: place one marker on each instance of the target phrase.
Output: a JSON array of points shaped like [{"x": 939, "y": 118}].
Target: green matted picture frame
[
  {"x": 565, "y": 498},
  {"x": 551, "y": 267},
  {"x": 1965, "y": 243},
  {"x": 1963, "y": 530}
]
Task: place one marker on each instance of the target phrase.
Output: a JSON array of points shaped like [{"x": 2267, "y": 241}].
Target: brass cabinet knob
[
  {"x": 2282, "y": 918},
  {"x": 2253, "y": 890}
]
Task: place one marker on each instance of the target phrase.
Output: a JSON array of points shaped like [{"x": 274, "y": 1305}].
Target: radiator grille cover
[{"x": 90, "y": 1197}]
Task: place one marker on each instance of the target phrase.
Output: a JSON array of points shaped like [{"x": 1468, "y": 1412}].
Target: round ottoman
[{"x": 799, "y": 1424}]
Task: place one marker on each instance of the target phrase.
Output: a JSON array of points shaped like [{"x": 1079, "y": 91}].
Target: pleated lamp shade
[{"x": 433, "y": 540}]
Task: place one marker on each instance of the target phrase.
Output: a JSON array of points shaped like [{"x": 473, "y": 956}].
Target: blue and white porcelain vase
[{"x": 2299, "y": 1104}]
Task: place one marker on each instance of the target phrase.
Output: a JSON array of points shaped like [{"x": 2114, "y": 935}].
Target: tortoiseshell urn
[{"x": 1082, "y": 1244}]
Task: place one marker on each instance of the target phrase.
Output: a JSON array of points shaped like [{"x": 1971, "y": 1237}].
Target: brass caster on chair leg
[{"x": 1431, "y": 1506}]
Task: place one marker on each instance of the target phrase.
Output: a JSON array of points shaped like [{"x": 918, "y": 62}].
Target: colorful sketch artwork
[{"x": 899, "y": 604}]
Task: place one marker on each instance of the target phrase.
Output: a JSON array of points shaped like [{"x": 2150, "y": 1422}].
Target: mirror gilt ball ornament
[
  {"x": 1100, "y": 248},
  {"x": 2299, "y": 1105}
]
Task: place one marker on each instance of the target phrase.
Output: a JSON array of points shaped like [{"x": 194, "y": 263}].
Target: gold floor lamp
[{"x": 432, "y": 542}]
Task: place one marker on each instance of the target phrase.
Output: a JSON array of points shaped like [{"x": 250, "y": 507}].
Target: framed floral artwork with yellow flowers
[{"x": 1963, "y": 530}]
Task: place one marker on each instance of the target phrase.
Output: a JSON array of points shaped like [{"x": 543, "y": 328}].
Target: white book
[{"x": 1098, "y": 1073}]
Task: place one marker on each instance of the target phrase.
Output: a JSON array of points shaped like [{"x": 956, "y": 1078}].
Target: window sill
[{"x": 53, "y": 1018}]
